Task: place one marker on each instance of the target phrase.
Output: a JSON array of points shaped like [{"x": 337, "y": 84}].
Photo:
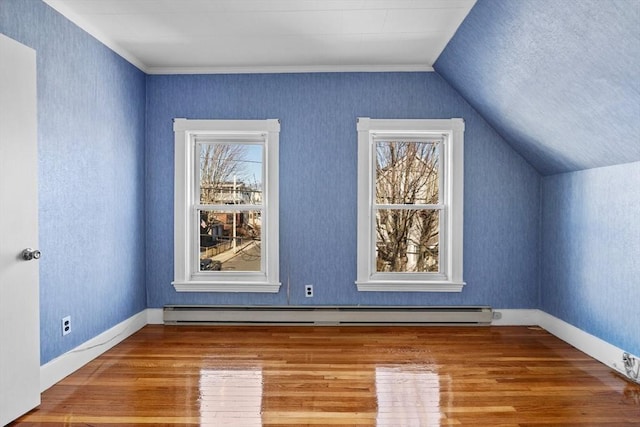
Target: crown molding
[{"x": 288, "y": 69}]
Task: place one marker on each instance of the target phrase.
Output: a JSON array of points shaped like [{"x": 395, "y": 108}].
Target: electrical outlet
[
  {"x": 308, "y": 291},
  {"x": 66, "y": 325}
]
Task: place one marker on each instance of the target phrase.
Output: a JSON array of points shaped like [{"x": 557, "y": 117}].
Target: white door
[{"x": 19, "y": 296}]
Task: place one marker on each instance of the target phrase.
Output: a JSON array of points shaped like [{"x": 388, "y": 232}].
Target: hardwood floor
[{"x": 341, "y": 376}]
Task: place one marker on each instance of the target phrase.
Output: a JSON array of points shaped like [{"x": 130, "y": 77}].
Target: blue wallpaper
[
  {"x": 91, "y": 177},
  {"x": 553, "y": 77},
  {"x": 318, "y": 185},
  {"x": 565, "y": 243},
  {"x": 591, "y": 247}
]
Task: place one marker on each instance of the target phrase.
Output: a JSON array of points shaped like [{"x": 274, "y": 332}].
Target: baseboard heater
[{"x": 288, "y": 315}]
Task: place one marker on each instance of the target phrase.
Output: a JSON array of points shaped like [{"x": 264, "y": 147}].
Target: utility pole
[{"x": 235, "y": 213}]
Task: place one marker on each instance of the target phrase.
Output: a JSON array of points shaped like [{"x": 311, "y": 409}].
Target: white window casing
[
  {"x": 187, "y": 274},
  {"x": 450, "y": 276}
]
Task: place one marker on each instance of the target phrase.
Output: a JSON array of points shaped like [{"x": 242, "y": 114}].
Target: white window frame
[
  {"x": 187, "y": 277},
  {"x": 451, "y": 225}
]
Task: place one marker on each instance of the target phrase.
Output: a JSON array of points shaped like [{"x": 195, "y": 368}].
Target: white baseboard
[
  {"x": 60, "y": 367},
  {"x": 67, "y": 363},
  {"x": 602, "y": 351},
  {"x": 155, "y": 316},
  {"x": 591, "y": 345}
]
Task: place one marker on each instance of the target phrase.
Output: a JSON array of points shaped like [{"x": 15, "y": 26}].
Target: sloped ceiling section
[{"x": 559, "y": 79}]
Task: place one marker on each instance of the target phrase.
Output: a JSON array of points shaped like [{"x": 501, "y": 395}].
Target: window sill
[
  {"x": 202, "y": 286},
  {"x": 406, "y": 286}
]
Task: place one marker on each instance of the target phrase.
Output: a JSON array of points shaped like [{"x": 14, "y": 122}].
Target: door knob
[{"x": 29, "y": 254}]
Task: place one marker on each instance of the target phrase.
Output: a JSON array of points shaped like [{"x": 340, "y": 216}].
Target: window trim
[
  {"x": 185, "y": 208},
  {"x": 453, "y": 198}
]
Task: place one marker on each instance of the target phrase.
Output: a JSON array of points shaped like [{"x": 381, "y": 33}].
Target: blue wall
[
  {"x": 591, "y": 252},
  {"x": 106, "y": 189},
  {"x": 553, "y": 77},
  {"x": 318, "y": 184},
  {"x": 91, "y": 177}
]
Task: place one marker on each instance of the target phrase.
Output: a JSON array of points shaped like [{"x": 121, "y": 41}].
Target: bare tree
[
  {"x": 407, "y": 174},
  {"x": 219, "y": 163}
]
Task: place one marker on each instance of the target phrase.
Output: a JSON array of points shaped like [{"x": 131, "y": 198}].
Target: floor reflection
[
  {"x": 407, "y": 395},
  {"x": 231, "y": 397}
]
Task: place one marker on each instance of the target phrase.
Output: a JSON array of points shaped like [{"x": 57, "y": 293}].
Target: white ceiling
[{"x": 228, "y": 36}]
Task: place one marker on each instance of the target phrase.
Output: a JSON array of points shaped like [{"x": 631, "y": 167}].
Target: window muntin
[
  {"x": 226, "y": 205},
  {"x": 410, "y": 195}
]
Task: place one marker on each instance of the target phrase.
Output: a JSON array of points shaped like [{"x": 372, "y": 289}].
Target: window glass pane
[
  {"x": 407, "y": 240},
  {"x": 407, "y": 172},
  {"x": 230, "y": 241},
  {"x": 230, "y": 173}
]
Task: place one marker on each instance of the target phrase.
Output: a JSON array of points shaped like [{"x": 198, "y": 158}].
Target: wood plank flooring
[{"x": 340, "y": 376}]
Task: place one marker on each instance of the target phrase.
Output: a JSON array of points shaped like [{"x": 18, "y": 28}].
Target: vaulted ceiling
[{"x": 558, "y": 79}]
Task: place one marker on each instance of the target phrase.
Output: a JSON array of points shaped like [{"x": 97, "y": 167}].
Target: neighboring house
[
  {"x": 210, "y": 230},
  {"x": 229, "y": 193},
  {"x": 247, "y": 223}
]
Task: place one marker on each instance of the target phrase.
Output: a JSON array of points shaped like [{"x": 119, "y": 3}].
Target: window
[
  {"x": 226, "y": 205},
  {"x": 410, "y": 205}
]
